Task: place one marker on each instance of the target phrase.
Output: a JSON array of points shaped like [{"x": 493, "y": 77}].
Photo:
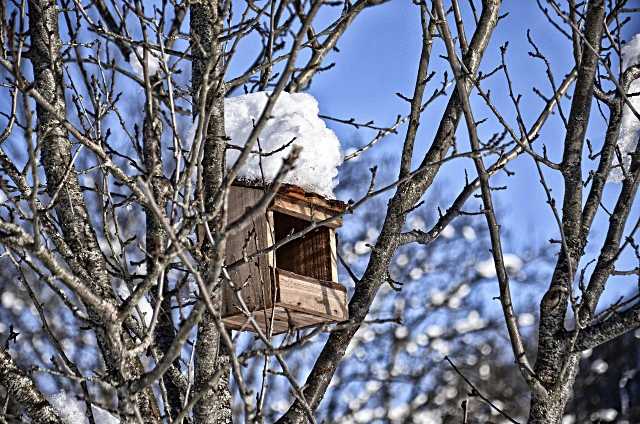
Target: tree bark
[
  {"x": 156, "y": 237},
  {"x": 209, "y": 90},
  {"x": 86, "y": 261},
  {"x": 555, "y": 366},
  {"x": 23, "y": 390},
  {"x": 548, "y": 408}
]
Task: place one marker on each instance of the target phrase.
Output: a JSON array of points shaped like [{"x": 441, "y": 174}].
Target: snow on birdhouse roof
[{"x": 294, "y": 117}]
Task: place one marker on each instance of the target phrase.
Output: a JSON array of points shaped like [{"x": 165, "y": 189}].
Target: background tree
[{"x": 115, "y": 172}]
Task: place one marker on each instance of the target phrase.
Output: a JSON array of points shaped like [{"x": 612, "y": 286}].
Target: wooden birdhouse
[{"x": 295, "y": 285}]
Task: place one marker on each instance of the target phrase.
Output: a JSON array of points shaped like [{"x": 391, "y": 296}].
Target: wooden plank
[
  {"x": 304, "y": 210},
  {"x": 308, "y": 295},
  {"x": 297, "y": 194},
  {"x": 304, "y": 320},
  {"x": 284, "y": 320},
  {"x": 333, "y": 255},
  {"x": 276, "y": 322},
  {"x": 318, "y": 201},
  {"x": 330, "y": 284},
  {"x": 253, "y": 278},
  {"x": 279, "y": 323}
]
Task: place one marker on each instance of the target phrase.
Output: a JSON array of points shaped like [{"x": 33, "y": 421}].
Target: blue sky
[{"x": 378, "y": 57}]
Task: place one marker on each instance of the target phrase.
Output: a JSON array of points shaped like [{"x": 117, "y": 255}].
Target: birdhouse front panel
[{"x": 291, "y": 287}]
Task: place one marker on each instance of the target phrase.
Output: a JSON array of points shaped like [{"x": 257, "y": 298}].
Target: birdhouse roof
[{"x": 292, "y": 195}]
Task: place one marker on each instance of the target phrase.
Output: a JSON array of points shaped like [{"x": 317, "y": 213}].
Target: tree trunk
[
  {"x": 549, "y": 408},
  {"x": 82, "y": 251},
  {"x": 156, "y": 237},
  {"x": 208, "y": 90},
  {"x": 405, "y": 198}
]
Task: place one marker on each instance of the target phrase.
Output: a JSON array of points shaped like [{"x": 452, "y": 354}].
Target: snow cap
[{"x": 294, "y": 117}]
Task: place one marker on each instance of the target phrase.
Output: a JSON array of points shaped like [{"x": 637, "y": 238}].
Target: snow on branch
[
  {"x": 73, "y": 411},
  {"x": 630, "y": 126}
]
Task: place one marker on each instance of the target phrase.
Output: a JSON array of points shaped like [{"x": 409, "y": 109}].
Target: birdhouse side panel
[
  {"x": 333, "y": 254},
  {"x": 253, "y": 278}
]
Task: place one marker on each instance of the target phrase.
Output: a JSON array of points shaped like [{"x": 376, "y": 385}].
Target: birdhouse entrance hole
[{"x": 294, "y": 286}]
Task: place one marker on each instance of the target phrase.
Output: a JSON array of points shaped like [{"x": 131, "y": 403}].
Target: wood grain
[
  {"x": 309, "y": 255},
  {"x": 317, "y": 297},
  {"x": 253, "y": 277}
]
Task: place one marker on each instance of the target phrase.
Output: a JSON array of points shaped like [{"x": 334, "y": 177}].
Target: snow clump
[
  {"x": 72, "y": 410},
  {"x": 294, "y": 117},
  {"x": 154, "y": 61}
]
